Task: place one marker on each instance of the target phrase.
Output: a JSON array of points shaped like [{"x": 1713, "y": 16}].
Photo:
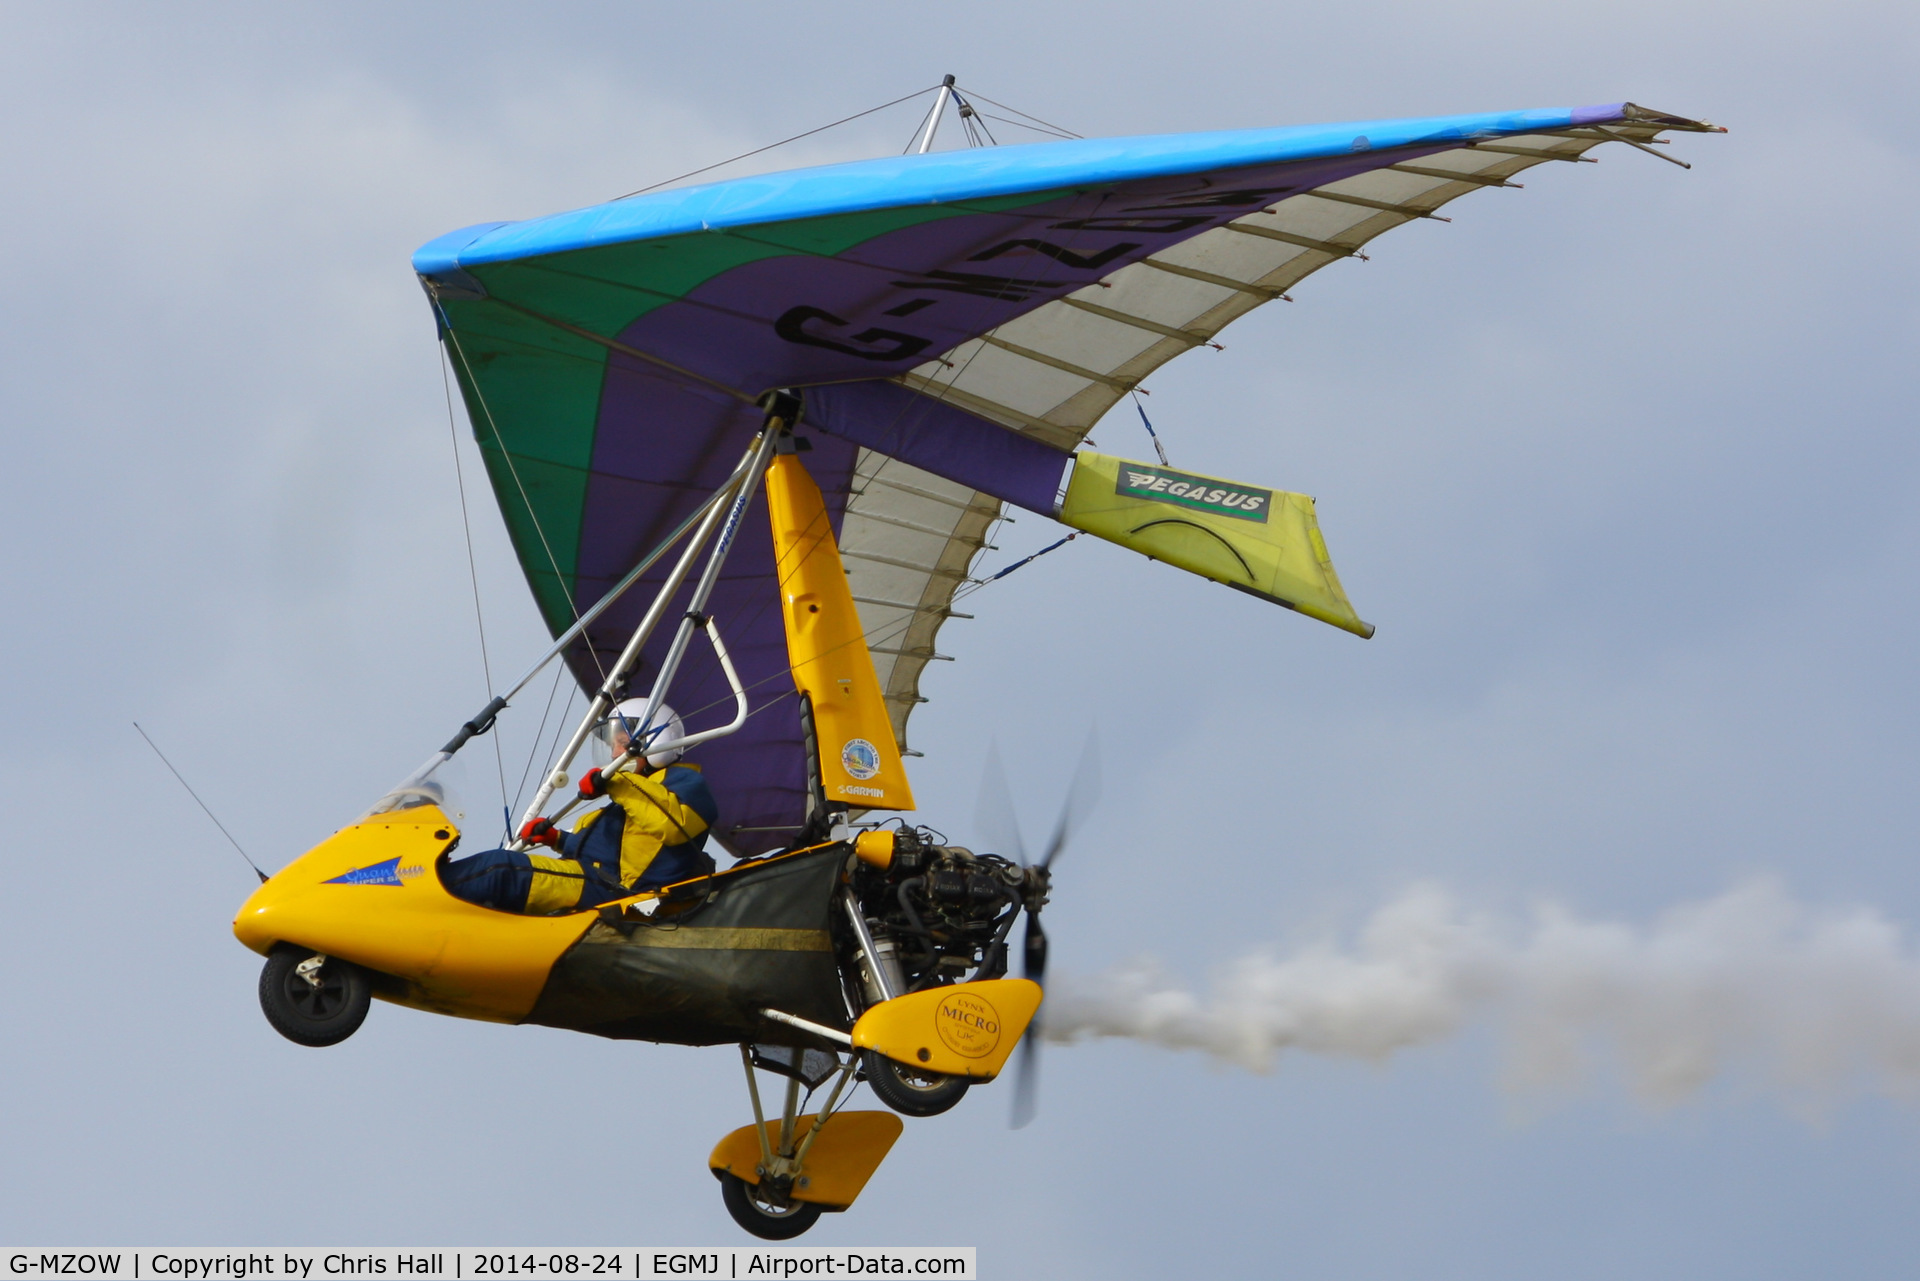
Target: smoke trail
[{"x": 1819, "y": 1000}]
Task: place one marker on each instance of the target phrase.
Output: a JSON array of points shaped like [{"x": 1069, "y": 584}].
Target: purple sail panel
[
  {"x": 885, "y": 306},
  {"x": 1599, "y": 115},
  {"x": 660, "y": 451},
  {"x": 937, "y": 437},
  {"x": 838, "y": 326}
]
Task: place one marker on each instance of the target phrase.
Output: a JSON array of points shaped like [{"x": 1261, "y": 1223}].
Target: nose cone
[
  {"x": 252, "y": 926},
  {"x": 345, "y": 887}
]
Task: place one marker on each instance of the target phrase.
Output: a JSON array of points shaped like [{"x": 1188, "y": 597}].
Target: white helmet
[{"x": 622, "y": 725}]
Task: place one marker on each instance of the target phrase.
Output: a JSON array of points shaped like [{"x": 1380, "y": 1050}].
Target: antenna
[{"x": 202, "y": 804}]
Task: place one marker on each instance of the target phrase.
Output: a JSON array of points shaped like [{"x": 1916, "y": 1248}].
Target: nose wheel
[{"x": 312, "y": 999}]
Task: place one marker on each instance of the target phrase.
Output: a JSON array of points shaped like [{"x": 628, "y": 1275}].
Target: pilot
[{"x": 652, "y": 832}]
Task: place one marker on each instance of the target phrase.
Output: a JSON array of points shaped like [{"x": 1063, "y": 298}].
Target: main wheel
[
  {"x": 761, "y": 1217},
  {"x": 311, "y": 1004},
  {"x": 908, "y": 1092}
]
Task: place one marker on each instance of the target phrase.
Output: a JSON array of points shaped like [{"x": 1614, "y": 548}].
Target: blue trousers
[
  {"x": 507, "y": 879},
  {"x": 503, "y": 880}
]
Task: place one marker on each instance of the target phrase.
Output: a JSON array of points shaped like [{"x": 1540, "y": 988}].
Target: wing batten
[
  {"x": 1322, "y": 224},
  {"x": 904, "y": 604}
]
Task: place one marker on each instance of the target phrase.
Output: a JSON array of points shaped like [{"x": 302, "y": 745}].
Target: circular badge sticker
[
  {"x": 860, "y": 758},
  {"x": 969, "y": 1025}
]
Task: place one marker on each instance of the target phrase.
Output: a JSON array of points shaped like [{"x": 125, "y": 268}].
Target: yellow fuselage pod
[
  {"x": 967, "y": 1029},
  {"x": 369, "y": 894},
  {"x": 860, "y": 764}
]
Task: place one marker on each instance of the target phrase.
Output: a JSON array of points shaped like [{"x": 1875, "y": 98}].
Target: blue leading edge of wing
[{"x": 946, "y": 177}]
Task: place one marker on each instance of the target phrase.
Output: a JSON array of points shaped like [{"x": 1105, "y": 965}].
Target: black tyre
[
  {"x": 908, "y": 1092},
  {"x": 314, "y": 1005},
  {"x": 761, "y": 1217}
]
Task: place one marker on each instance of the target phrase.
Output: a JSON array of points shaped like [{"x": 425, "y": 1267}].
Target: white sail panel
[{"x": 1053, "y": 372}]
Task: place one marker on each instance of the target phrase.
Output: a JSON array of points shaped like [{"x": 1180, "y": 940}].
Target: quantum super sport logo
[
  {"x": 1160, "y": 485},
  {"x": 389, "y": 872}
]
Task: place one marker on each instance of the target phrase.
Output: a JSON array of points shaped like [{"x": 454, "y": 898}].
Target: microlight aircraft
[{"x": 749, "y": 439}]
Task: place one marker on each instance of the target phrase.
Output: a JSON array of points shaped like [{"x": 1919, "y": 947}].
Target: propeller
[{"x": 997, "y": 823}]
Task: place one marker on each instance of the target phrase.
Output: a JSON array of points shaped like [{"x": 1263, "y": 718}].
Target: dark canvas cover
[{"x": 700, "y": 976}]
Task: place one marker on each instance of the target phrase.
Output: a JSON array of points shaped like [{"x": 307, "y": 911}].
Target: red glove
[
  {"x": 540, "y": 831},
  {"x": 593, "y": 785}
]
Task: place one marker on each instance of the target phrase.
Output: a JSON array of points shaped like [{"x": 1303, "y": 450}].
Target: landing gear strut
[
  {"x": 766, "y": 1206},
  {"x": 778, "y": 1177}
]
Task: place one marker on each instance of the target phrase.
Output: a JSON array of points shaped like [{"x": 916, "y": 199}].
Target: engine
[{"x": 937, "y": 913}]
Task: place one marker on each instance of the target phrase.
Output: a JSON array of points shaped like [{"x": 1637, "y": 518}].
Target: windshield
[{"x": 431, "y": 784}]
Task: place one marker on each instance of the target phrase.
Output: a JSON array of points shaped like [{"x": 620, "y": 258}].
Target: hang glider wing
[{"x": 959, "y": 321}]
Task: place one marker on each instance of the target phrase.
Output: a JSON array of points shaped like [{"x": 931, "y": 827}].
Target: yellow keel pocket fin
[
  {"x": 967, "y": 1030},
  {"x": 838, "y": 1163},
  {"x": 860, "y": 764},
  {"x": 1265, "y": 542}
]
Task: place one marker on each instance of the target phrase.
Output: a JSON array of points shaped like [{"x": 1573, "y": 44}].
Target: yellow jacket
[{"x": 666, "y": 812}]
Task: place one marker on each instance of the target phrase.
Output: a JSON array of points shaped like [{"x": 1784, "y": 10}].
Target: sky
[{"x": 1620, "y": 465}]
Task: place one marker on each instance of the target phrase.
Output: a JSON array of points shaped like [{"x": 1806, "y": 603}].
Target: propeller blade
[
  {"x": 1026, "y": 1082},
  {"x": 1082, "y": 795},
  {"x": 1033, "y": 964},
  {"x": 996, "y": 819},
  {"x": 994, "y": 812}
]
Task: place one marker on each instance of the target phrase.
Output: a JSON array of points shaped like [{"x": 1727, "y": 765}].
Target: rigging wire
[
  {"x": 783, "y": 142},
  {"x": 922, "y": 140},
  {"x": 884, "y": 632},
  {"x": 892, "y": 631},
  {"x": 202, "y": 804},
  {"x": 559, "y": 729},
  {"x": 1157, "y": 447},
  {"x": 970, "y": 118},
  {"x": 970, "y": 122},
  {"x": 871, "y": 636},
  {"x": 559, "y": 670},
  {"x": 473, "y": 572},
  {"x": 1060, "y": 129},
  {"x": 1020, "y": 124},
  {"x": 973, "y": 123},
  {"x": 969, "y": 588},
  {"x": 507, "y": 455}
]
